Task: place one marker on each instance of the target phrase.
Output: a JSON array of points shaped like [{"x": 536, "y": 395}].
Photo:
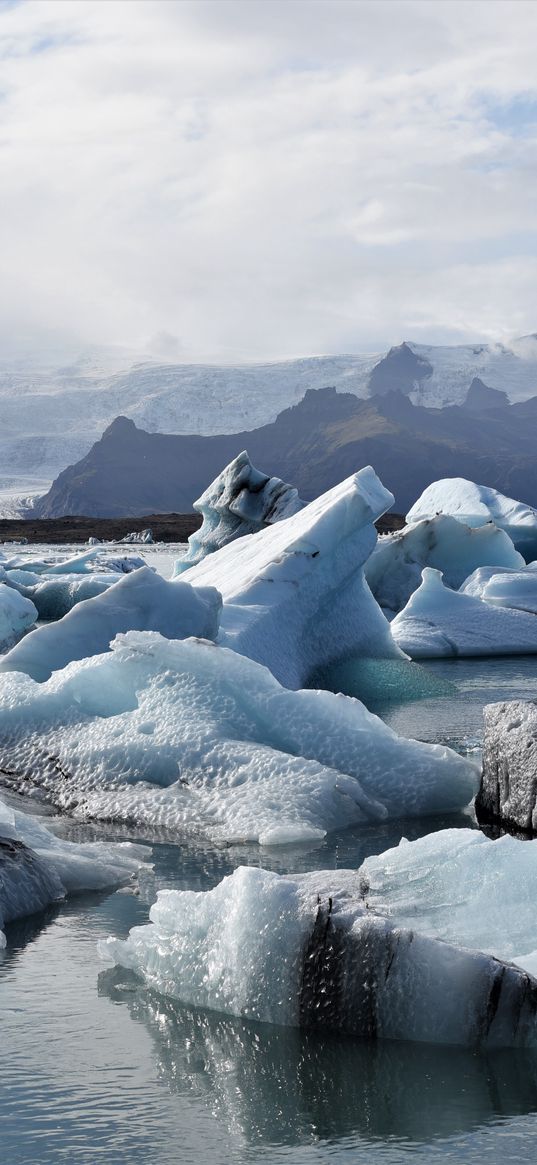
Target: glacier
[
  {"x": 393, "y": 570},
  {"x": 38, "y": 868},
  {"x": 475, "y": 505},
  {"x": 440, "y": 622},
  {"x": 141, "y": 600},
  {"x": 241, "y": 500},
  {"x": 295, "y": 597},
  {"x": 197, "y": 738},
  {"x": 304, "y": 950}
]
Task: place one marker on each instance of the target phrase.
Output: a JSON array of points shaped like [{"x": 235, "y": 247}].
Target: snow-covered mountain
[{"x": 52, "y": 414}]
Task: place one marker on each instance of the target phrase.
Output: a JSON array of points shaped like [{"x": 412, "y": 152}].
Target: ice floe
[
  {"x": 440, "y": 622},
  {"x": 141, "y": 600},
  {"x": 37, "y": 868},
  {"x": 241, "y": 500},
  {"x": 192, "y": 736},
  {"x": 476, "y": 505},
  {"x": 305, "y": 950},
  {"x": 394, "y": 569},
  {"x": 295, "y": 596},
  {"x": 17, "y": 616}
]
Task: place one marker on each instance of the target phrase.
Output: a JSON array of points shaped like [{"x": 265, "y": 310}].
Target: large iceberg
[
  {"x": 139, "y": 601},
  {"x": 194, "y": 737},
  {"x": 17, "y": 615},
  {"x": 505, "y": 588},
  {"x": 440, "y": 622},
  {"x": 476, "y": 505},
  {"x": 306, "y": 951},
  {"x": 295, "y": 596},
  {"x": 459, "y": 886},
  {"x": 241, "y": 500},
  {"x": 37, "y": 868},
  {"x": 394, "y": 569}
]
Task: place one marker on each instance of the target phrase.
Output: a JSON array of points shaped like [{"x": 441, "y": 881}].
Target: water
[{"x": 96, "y": 1068}]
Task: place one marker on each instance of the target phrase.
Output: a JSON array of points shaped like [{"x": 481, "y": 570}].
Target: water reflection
[{"x": 282, "y": 1086}]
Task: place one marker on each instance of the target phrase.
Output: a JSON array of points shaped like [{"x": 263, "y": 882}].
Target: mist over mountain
[{"x": 313, "y": 445}]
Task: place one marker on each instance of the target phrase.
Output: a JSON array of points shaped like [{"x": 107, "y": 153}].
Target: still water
[{"x": 95, "y": 1068}]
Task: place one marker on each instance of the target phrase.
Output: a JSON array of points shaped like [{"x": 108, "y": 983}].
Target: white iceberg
[
  {"x": 504, "y": 588},
  {"x": 139, "y": 601},
  {"x": 440, "y": 622},
  {"x": 17, "y": 615},
  {"x": 394, "y": 569},
  {"x": 37, "y": 868},
  {"x": 241, "y": 500},
  {"x": 305, "y": 951},
  {"x": 54, "y": 597},
  {"x": 193, "y": 737},
  {"x": 475, "y": 505},
  {"x": 459, "y": 886},
  {"x": 508, "y": 792},
  {"x": 295, "y": 596}
]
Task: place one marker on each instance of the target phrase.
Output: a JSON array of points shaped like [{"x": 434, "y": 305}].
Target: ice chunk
[
  {"x": 54, "y": 597},
  {"x": 241, "y": 500},
  {"x": 394, "y": 569},
  {"x": 476, "y": 505},
  {"x": 459, "y": 886},
  {"x": 439, "y": 622},
  {"x": 38, "y": 868},
  {"x": 141, "y": 600},
  {"x": 508, "y": 793},
  {"x": 17, "y": 615},
  {"x": 305, "y": 951},
  {"x": 295, "y": 597},
  {"x": 503, "y": 588},
  {"x": 196, "y": 737}
]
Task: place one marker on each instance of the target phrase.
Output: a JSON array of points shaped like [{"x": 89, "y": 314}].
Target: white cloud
[{"x": 267, "y": 177}]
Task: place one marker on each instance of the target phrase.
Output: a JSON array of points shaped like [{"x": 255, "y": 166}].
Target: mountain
[
  {"x": 53, "y": 413},
  {"x": 312, "y": 445}
]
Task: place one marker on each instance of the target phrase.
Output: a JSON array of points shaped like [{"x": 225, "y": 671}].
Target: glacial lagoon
[{"x": 96, "y": 1067}]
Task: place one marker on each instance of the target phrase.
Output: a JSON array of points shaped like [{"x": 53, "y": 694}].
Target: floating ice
[
  {"x": 502, "y": 588},
  {"x": 459, "y": 886},
  {"x": 17, "y": 615},
  {"x": 305, "y": 951},
  {"x": 54, "y": 597},
  {"x": 439, "y": 622},
  {"x": 394, "y": 569},
  {"x": 295, "y": 597},
  {"x": 241, "y": 500},
  {"x": 476, "y": 505},
  {"x": 38, "y": 868},
  {"x": 508, "y": 793},
  {"x": 195, "y": 737},
  {"x": 141, "y": 600}
]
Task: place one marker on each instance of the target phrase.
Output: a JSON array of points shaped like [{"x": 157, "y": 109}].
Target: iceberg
[
  {"x": 505, "y": 588},
  {"x": 508, "y": 792},
  {"x": 37, "y": 868},
  {"x": 197, "y": 738},
  {"x": 295, "y": 597},
  {"x": 141, "y": 600},
  {"x": 17, "y": 615},
  {"x": 475, "y": 505},
  {"x": 460, "y": 886},
  {"x": 241, "y": 500},
  {"x": 394, "y": 569},
  {"x": 440, "y": 622},
  {"x": 54, "y": 597},
  {"x": 305, "y": 951}
]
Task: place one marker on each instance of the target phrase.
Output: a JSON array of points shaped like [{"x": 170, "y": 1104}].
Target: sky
[{"x": 256, "y": 179}]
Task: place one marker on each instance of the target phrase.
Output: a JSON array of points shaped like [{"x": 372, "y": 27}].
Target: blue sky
[{"x": 253, "y": 179}]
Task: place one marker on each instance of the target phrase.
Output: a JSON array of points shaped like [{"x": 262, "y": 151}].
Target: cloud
[{"x": 267, "y": 179}]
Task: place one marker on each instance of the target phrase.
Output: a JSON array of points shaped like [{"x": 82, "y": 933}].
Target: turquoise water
[{"x": 97, "y": 1069}]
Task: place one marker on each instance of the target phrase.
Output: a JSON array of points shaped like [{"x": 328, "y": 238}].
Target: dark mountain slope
[{"x": 314, "y": 444}]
